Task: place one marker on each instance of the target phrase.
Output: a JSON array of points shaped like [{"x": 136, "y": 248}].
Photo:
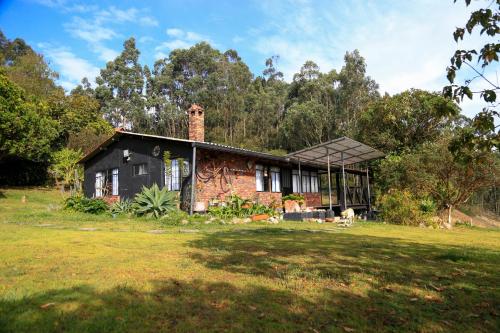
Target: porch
[{"x": 344, "y": 173}]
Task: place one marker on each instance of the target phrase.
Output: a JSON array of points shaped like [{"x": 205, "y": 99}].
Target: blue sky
[{"x": 406, "y": 44}]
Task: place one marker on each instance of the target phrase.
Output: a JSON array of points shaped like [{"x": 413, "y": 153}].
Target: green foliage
[
  {"x": 401, "y": 207},
  {"x": 25, "y": 130},
  {"x": 235, "y": 206},
  {"x": 65, "y": 168},
  {"x": 406, "y": 120},
  {"x": 121, "y": 207},
  {"x": 484, "y": 135},
  {"x": 431, "y": 171},
  {"x": 428, "y": 206},
  {"x": 154, "y": 202},
  {"x": 120, "y": 88},
  {"x": 296, "y": 197},
  {"x": 177, "y": 217},
  {"x": 86, "y": 205}
]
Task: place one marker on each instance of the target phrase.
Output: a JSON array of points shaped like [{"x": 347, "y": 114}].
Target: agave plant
[
  {"x": 153, "y": 202},
  {"x": 121, "y": 207}
]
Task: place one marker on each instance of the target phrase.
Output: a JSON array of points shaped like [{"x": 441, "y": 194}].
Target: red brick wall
[
  {"x": 312, "y": 199},
  {"x": 221, "y": 174}
]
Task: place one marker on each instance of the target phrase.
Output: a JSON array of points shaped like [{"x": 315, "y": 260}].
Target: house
[{"x": 120, "y": 166}]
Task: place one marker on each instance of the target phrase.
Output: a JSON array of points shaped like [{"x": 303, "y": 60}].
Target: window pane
[
  {"x": 295, "y": 181},
  {"x": 99, "y": 184},
  {"x": 314, "y": 182},
  {"x": 140, "y": 169},
  {"x": 175, "y": 174},
  {"x": 259, "y": 177},
  {"x": 306, "y": 185},
  {"x": 114, "y": 182},
  {"x": 275, "y": 180}
]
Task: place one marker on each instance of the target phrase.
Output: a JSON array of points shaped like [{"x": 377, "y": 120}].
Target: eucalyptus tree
[{"x": 120, "y": 89}]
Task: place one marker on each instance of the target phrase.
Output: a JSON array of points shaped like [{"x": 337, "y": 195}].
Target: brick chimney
[{"x": 196, "y": 116}]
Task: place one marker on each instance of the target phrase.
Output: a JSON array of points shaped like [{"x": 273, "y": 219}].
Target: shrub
[
  {"x": 296, "y": 197},
  {"x": 401, "y": 207},
  {"x": 121, "y": 207},
  {"x": 427, "y": 205},
  {"x": 86, "y": 205},
  {"x": 236, "y": 206},
  {"x": 154, "y": 202}
]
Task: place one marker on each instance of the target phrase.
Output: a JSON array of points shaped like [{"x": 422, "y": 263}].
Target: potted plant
[{"x": 293, "y": 203}]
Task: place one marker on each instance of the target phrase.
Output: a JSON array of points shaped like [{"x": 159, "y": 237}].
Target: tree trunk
[{"x": 450, "y": 207}]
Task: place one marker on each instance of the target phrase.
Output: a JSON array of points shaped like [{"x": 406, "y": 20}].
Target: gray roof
[{"x": 353, "y": 151}]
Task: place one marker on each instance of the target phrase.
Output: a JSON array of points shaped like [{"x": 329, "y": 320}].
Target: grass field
[{"x": 68, "y": 272}]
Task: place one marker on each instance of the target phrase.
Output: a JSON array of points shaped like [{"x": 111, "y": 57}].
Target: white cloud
[
  {"x": 146, "y": 39},
  {"x": 174, "y": 32},
  {"x": 72, "y": 69},
  {"x": 181, "y": 39},
  {"x": 148, "y": 21},
  {"x": 130, "y": 15},
  {"x": 173, "y": 44},
  {"x": 104, "y": 52},
  {"x": 405, "y": 44},
  {"x": 89, "y": 31}
]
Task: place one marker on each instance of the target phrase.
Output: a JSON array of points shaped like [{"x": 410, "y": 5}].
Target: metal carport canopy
[
  {"x": 334, "y": 151},
  {"x": 342, "y": 151}
]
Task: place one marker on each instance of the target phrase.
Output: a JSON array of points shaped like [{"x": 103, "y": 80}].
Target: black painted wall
[{"x": 141, "y": 150}]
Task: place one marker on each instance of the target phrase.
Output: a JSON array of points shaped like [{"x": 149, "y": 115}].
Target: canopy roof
[{"x": 353, "y": 151}]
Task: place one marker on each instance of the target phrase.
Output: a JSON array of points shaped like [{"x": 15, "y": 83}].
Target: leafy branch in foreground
[{"x": 483, "y": 134}]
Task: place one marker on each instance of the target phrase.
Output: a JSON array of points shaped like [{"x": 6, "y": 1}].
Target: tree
[
  {"x": 26, "y": 131},
  {"x": 483, "y": 133},
  {"x": 65, "y": 168},
  {"x": 302, "y": 127},
  {"x": 120, "y": 88},
  {"x": 432, "y": 170},
  {"x": 354, "y": 91},
  {"x": 406, "y": 120}
]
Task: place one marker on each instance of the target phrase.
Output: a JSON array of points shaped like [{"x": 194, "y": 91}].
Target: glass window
[
  {"x": 259, "y": 177},
  {"x": 114, "y": 181},
  {"x": 306, "y": 184},
  {"x": 295, "y": 181},
  {"x": 99, "y": 184},
  {"x": 275, "y": 179},
  {"x": 173, "y": 176},
  {"x": 140, "y": 169},
  {"x": 314, "y": 182}
]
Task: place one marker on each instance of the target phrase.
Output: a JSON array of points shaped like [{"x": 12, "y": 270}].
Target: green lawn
[{"x": 290, "y": 277}]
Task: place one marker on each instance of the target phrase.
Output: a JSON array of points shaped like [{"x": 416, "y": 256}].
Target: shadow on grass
[
  {"x": 406, "y": 286},
  {"x": 306, "y": 282}
]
